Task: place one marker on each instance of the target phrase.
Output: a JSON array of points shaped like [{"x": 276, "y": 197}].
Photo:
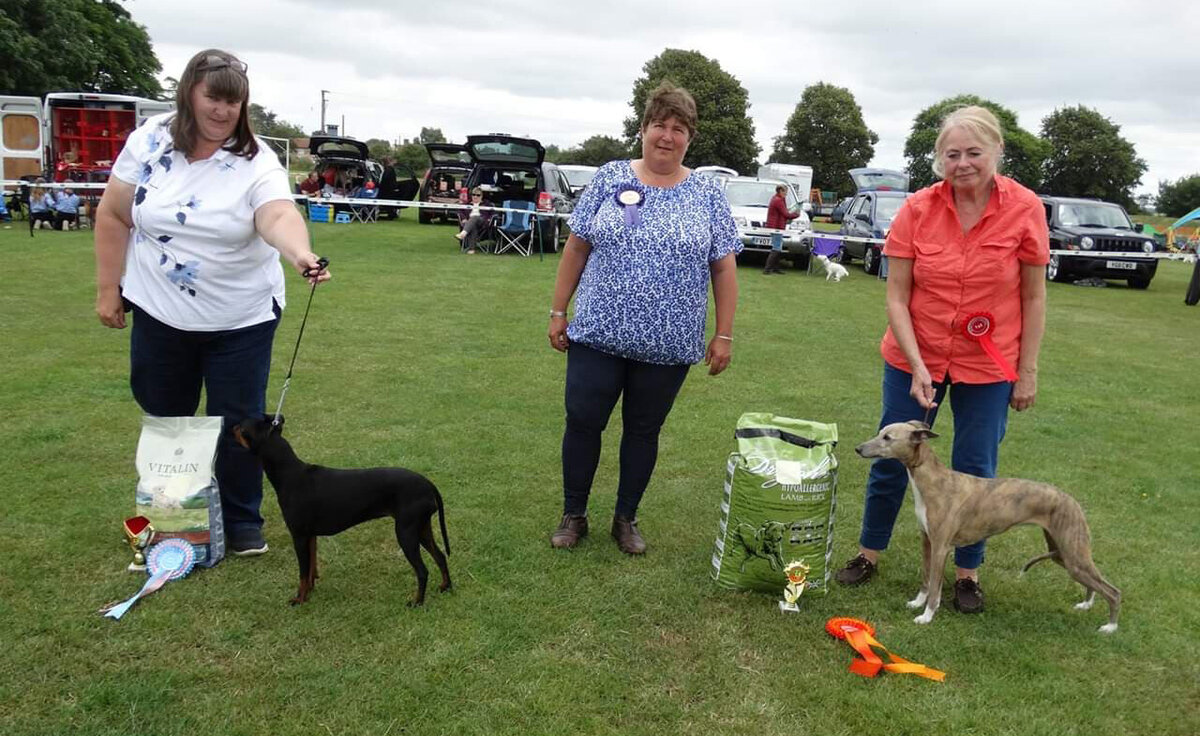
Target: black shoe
[
  {"x": 856, "y": 572},
  {"x": 968, "y": 596},
  {"x": 247, "y": 543}
]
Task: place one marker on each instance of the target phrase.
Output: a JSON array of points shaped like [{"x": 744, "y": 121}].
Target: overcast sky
[{"x": 561, "y": 71}]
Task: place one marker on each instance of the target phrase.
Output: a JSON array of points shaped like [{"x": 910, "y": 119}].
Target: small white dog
[{"x": 833, "y": 271}]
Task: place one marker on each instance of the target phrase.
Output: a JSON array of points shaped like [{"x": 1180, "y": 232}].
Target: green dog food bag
[{"x": 778, "y": 505}]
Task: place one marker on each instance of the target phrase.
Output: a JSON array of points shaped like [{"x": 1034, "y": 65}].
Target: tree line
[{"x": 95, "y": 45}]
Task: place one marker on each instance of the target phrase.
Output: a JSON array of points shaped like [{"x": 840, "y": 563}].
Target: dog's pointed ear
[{"x": 922, "y": 434}]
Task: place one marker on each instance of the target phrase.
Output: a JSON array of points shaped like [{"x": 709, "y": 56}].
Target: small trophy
[
  {"x": 138, "y": 533},
  {"x": 797, "y": 575}
]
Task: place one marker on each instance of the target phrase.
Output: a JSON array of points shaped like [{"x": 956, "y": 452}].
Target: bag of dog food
[
  {"x": 177, "y": 488},
  {"x": 780, "y": 495}
]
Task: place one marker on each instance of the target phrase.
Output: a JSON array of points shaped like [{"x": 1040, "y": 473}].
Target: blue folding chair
[
  {"x": 827, "y": 247},
  {"x": 516, "y": 231}
]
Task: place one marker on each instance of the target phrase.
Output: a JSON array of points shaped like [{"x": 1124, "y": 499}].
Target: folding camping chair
[
  {"x": 827, "y": 247},
  {"x": 365, "y": 212},
  {"x": 516, "y": 231}
]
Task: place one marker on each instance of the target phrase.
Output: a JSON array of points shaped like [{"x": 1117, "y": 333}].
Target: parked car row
[{"x": 507, "y": 169}]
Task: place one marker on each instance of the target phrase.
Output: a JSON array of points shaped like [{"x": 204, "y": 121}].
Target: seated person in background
[
  {"x": 66, "y": 209},
  {"x": 475, "y": 223},
  {"x": 312, "y": 185},
  {"x": 41, "y": 206}
]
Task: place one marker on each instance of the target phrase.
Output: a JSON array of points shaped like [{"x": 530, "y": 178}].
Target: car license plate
[
  {"x": 1121, "y": 265},
  {"x": 760, "y": 240}
]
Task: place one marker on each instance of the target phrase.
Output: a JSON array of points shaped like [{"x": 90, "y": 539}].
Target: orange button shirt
[{"x": 955, "y": 276}]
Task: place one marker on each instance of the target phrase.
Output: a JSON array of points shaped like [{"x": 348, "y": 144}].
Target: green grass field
[{"x": 415, "y": 355}]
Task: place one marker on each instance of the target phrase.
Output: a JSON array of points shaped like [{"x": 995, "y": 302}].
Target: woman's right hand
[
  {"x": 922, "y": 389},
  {"x": 110, "y": 309},
  {"x": 557, "y": 333}
]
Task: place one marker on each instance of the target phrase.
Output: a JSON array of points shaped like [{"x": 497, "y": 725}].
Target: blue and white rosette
[
  {"x": 630, "y": 199},
  {"x": 168, "y": 560}
]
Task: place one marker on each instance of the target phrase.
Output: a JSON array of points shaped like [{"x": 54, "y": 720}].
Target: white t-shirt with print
[{"x": 194, "y": 260}]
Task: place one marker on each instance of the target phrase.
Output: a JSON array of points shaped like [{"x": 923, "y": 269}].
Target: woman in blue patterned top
[{"x": 646, "y": 238}]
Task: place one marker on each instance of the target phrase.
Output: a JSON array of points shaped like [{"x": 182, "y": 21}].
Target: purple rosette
[{"x": 630, "y": 199}]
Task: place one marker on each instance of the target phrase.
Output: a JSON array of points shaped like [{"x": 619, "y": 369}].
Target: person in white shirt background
[{"x": 188, "y": 236}]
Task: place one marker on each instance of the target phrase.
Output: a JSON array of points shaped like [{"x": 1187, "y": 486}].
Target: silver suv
[{"x": 749, "y": 198}]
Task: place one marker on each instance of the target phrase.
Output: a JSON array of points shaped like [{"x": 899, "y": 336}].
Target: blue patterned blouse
[{"x": 644, "y": 291}]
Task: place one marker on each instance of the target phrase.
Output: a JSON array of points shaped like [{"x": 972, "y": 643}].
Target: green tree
[
  {"x": 1088, "y": 157},
  {"x": 265, "y": 122},
  {"x": 596, "y": 151},
  {"x": 431, "y": 135},
  {"x": 827, "y": 132},
  {"x": 412, "y": 154},
  {"x": 74, "y": 45},
  {"x": 1023, "y": 151},
  {"x": 377, "y": 148},
  {"x": 725, "y": 133},
  {"x": 1176, "y": 199}
]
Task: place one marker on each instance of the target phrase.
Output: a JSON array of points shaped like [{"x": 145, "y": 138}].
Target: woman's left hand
[
  {"x": 1024, "y": 391},
  {"x": 718, "y": 355}
]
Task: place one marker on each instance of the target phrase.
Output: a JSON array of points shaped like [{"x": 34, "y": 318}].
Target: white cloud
[{"x": 563, "y": 71}]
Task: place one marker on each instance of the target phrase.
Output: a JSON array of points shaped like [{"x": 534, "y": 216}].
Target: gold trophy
[
  {"x": 797, "y": 575},
  {"x": 138, "y": 533}
]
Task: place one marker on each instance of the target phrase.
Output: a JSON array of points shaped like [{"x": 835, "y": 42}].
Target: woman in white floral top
[{"x": 188, "y": 237}]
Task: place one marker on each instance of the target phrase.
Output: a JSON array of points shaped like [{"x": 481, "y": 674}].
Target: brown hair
[
  {"x": 669, "y": 101},
  {"x": 226, "y": 78}
]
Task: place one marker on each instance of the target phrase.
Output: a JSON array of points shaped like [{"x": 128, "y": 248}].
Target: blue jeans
[
  {"x": 166, "y": 370},
  {"x": 595, "y": 380},
  {"x": 980, "y": 418}
]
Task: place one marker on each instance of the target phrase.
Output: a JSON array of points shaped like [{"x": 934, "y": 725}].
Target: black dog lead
[{"x": 308, "y": 272}]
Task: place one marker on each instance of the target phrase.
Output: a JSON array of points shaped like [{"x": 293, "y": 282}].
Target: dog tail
[
  {"x": 442, "y": 520},
  {"x": 1053, "y": 554}
]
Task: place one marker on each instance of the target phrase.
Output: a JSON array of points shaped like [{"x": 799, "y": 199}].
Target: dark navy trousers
[
  {"x": 167, "y": 369},
  {"x": 595, "y": 380}
]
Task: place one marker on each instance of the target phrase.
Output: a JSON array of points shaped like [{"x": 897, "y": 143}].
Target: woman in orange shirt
[{"x": 966, "y": 256}]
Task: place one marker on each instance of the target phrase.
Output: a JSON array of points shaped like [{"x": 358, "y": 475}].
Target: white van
[
  {"x": 76, "y": 135},
  {"x": 798, "y": 177}
]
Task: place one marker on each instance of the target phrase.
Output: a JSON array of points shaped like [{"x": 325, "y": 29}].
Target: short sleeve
[
  {"x": 1034, "y": 249},
  {"x": 725, "y": 238},
  {"x": 899, "y": 243},
  {"x": 589, "y": 204},
  {"x": 131, "y": 159},
  {"x": 270, "y": 180}
]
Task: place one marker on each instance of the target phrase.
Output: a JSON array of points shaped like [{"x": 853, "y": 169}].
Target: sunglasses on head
[{"x": 212, "y": 63}]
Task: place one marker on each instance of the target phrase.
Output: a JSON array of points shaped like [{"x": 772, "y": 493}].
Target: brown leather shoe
[
  {"x": 570, "y": 530},
  {"x": 856, "y": 572},
  {"x": 968, "y": 596},
  {"x": 628, "y": 538}
]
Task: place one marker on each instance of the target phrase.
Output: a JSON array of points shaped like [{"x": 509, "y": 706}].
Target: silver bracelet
[
  {"x": 724, "y": 337},
  {"x": 556, "y": 313}
]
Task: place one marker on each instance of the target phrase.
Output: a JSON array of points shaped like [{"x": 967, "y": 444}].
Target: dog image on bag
[
  {"x": 765, "y": 543},
  {"x": 317, "y": 501}
]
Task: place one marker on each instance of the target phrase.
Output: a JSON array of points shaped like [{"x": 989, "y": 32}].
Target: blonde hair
[{"x": 976, "y": 120}]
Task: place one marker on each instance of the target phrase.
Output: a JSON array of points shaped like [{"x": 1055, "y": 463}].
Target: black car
[
  {"x": 449, "y": 167},
  {"x": 881, "y": 193},
  {"x": 343, "y": 163},
  {"x": 1082, "y": 225},
  {"x": 515, "y": 169}
]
